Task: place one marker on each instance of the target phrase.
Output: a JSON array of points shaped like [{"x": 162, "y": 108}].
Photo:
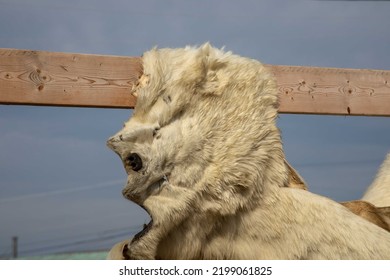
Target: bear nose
[
  {"x": 134, "y": 161},
  {"x": 113, "y": 143}
]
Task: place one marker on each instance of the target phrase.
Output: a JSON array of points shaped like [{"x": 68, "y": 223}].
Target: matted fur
[{"x": 213, "y": 176}]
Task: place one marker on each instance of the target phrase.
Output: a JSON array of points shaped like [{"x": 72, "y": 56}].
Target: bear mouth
[
  {"x": 139, "y": 195},
  {"x": 157, "y": 186},
  {"x": 152, "y": 189},
  {"x": 144, "y": 231}
]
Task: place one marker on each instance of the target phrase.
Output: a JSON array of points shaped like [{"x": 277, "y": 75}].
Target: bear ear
[
  {"x": 211, "y": 85},
  {"x": 213, "y": 63},
  {"x": 294, "y": 179}
]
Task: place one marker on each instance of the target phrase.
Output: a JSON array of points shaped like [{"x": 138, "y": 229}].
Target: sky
[{"x": 60, "y": 186}]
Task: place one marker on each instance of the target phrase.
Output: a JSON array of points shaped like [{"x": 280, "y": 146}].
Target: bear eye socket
[
  {"x": 134, "y": 161},
  {"x": 155, "y": 132}
]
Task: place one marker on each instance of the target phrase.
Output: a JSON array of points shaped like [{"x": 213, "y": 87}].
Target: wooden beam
[
  {"x": 64, "y": 79},
  {"x": 333, "y": 91}
]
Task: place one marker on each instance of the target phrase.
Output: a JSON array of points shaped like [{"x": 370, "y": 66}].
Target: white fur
[
  {"x": 378, "y": 193},
  {"x": 214, "y": 175}
]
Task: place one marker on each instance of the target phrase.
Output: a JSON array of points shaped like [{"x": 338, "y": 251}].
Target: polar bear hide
[{"x": 204, "y": 158}]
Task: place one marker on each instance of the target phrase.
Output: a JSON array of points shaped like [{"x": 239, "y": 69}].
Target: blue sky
[{"x": 60, "y": 186}]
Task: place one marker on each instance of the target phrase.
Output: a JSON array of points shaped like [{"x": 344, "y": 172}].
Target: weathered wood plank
[
  {"x": 64, "y": 79},
  {"x": 315, "y": 90}
]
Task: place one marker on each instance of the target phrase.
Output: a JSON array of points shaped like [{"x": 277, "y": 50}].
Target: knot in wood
[{"x": 38, "y": 78}]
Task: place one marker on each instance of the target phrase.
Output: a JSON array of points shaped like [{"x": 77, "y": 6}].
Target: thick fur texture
[
  {"x": 379, "y": 216},
  {"x": 378, "y": 193},
  {"x": 211, "y": 172}
]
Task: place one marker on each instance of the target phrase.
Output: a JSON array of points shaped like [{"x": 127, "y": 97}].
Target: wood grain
[
  {"x": 83, "y": 80},
  {"x": 315, "y": 90},
  {"x": 62, "y": 79}
]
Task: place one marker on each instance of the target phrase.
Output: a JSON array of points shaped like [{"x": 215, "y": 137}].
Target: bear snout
[{"x": 134, "y": 161}]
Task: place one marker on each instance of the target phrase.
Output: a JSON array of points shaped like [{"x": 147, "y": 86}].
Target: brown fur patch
[{"x": 376, "y": 215}]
